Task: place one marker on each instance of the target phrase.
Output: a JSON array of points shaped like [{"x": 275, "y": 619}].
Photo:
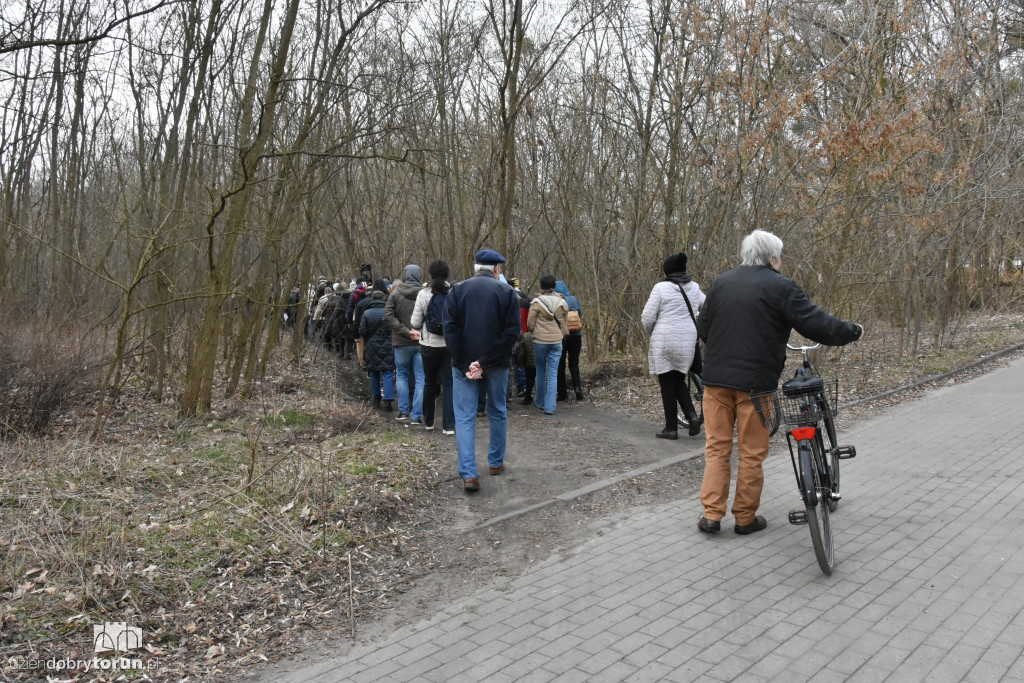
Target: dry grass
[{"x": 219, "y": 538}]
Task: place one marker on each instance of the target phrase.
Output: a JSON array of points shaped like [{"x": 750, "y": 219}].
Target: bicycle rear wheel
[
  {"x": 831, "y": 458},
  {"x": 812, "y": 462}
]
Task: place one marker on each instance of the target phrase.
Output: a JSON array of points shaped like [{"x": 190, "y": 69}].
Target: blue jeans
[
  {"x": 465, "y": 394},
  {"x": 546, "y": 358},
  {"x": 409, "y": 358},
  {"x": 382, "y": 381}
]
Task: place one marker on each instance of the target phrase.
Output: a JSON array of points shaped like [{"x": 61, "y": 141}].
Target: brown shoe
[
  {"x": 471, "y": 484},
  {"x": 497, "y": 470}
]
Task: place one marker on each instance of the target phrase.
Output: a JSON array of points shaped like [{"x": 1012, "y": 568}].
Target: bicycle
[
  {"x": 695, "y": 387},
  {"x": 807, "y": 406}
]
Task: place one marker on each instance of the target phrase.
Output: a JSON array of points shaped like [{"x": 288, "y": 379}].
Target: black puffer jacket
[
  {"x": 746, "y": 321},
  {"x": 378, "y": 354}
]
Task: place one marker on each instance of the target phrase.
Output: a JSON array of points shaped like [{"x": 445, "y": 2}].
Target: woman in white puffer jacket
[{"x": 673, "y": 333}]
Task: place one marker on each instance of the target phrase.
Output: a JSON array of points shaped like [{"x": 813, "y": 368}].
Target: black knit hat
[{"x": 676, "y": 263}]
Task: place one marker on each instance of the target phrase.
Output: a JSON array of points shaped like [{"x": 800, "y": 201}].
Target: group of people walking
[
  {"x": 419, "y": 339},
  {"x": 461, "y": 340}
]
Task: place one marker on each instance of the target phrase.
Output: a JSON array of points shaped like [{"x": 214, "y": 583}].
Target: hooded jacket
[
  {"x": 398, "y": 310},
  {"x": 746, "y": 321}
]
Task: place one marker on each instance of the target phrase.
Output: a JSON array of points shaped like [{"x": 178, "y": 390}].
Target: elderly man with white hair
[
  {"x": 481, "y": 326},
  {"x": 746, "y": 321}
]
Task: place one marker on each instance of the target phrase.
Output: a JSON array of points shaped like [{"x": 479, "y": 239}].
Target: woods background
[{"x": 169, "y": 173}]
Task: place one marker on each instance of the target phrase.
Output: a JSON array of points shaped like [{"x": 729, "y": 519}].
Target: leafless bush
[{"x": 45, "y": 367}]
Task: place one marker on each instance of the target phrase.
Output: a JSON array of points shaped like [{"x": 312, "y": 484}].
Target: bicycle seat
[{"x": 801, "y": 385}]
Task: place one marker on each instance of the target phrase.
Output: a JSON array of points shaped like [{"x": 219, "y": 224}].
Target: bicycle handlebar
[{"x": 802, "y": 348}]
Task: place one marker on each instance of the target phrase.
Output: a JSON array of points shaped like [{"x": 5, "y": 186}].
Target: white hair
[
  {"x": 489, "y": 267},
  {"x": 759, "y": 248}
]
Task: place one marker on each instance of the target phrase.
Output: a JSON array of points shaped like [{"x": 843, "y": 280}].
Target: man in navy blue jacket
[
  {"x": 745, "y": 323},
  {"x": 481, "y": 326}
]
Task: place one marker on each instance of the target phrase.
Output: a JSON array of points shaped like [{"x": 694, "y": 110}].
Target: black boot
[
  {"x": 376, "y": 401},
  {"x": 527, "y": 400},
  {"x": 387, "y": 405},
  {"x": 694, "y": 424}
]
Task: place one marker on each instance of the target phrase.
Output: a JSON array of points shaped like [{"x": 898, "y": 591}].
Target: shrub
[{"x": 45, "y": 368}]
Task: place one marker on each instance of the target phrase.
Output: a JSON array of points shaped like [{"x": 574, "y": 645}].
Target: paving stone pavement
[{"x": 928, "y": 584}]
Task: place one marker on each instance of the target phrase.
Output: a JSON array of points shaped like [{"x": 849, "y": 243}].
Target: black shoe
[
  {"x": 668, "y": 434},
  {"x": 758, "y": 524},
  {"x": 579, "y": 395},
  {"x": 709, "y": 526},
  {"x": 387, "y": 406},
  {"x": 527, "y": 400},
  {"x": 694, "y": 422},
  {"x": 376, "y": 401},
  {"x": 562, "y": 397}
]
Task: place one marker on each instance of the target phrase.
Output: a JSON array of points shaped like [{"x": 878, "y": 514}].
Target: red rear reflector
[{"x": 803, "y": 433}]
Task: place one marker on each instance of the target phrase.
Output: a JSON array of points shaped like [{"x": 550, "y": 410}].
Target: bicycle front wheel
[
  {"x": 695, "y": 388},
  {"x": 817, "y": 509}
]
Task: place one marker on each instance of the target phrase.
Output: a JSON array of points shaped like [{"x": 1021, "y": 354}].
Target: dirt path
[{"x": 567, "y": 476}]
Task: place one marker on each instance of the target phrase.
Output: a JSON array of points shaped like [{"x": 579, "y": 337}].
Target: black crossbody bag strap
[{"x": 688, "y": 306}]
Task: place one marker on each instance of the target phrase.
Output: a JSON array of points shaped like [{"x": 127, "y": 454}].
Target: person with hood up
[
  {"x": 666, "y": 318},
  {"x": 572, "y": 344},
  {"x": 405, "y": 340},
  {"x": 380, "y": 361}
]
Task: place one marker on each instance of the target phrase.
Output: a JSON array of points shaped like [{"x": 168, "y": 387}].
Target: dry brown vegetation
[{"x": 222, "y": 538}]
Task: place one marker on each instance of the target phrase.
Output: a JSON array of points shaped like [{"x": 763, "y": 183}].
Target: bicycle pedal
[
  {"x": 798, "y": 517},
  {"x": 846, "y": 452},
  {"x": 836, "y": 496}
]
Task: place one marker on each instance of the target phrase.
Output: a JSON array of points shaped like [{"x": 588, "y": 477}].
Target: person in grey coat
[
  {"x": 673, "y": 332},
  {"x": 406, "y": 342}
]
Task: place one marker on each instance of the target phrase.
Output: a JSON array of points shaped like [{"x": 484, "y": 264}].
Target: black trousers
[
  {"x": 572, "y": 344},
  {"x": 673, "y": 392}
]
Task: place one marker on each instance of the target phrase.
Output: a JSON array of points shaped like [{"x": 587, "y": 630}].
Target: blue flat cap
[{"x": 489, "y": 257}]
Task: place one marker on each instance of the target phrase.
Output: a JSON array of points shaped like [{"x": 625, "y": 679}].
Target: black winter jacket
[
  {"x": 378, "y": 353},
  {"x": 746, "y": 322}
]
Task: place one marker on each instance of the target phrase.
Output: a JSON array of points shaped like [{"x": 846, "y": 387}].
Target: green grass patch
[{"x": 290, "y": 417}]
